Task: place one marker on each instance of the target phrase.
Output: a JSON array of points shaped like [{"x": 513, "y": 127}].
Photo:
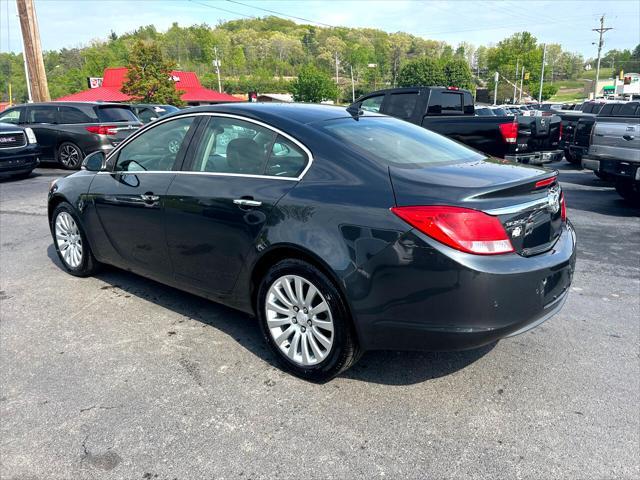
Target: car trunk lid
[{"x": 525, "y": 199}]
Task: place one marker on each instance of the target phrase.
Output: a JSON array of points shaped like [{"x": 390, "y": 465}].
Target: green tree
[
  {"x": 549, "y": 90},
  {"x": 422, "y": 72},
  {"x": 458, "y": 74},
  {"x": 149, "y": 78},
  {"x": 313, "y": 85}
]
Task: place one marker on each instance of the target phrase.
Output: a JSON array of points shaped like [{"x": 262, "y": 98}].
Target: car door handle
[
  {"x": 247, "y": 202},
  {"x": 150, "y": 197},
  {"x": 628, "y": 137}
]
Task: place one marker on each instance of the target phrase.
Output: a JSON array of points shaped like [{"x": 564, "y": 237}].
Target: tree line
[{"x": 268, "y": 54}]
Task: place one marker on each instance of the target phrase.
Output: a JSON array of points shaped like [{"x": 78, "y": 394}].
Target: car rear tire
[
  {"x": 628, "y": 191},
  {"x": 572, "y": 158},
  {"x": 305, "y": 321},
  {"x": 71, "y": 243},
  {"x": 70, "y": 156}
]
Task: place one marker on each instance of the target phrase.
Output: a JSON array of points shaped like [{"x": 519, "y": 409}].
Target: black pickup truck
[
  {"x": 450, "y": 111},
  {"x": 576, "y": 129}
]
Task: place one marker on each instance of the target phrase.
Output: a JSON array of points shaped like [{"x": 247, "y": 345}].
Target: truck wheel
[
  {"x": 628, "y": 191},
  {"x": 572, "y": 158}
]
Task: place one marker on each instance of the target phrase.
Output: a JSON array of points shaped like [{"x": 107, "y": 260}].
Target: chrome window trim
[
  {"x": 217, "y": 174},
  {"x": 521, "y": 207}
]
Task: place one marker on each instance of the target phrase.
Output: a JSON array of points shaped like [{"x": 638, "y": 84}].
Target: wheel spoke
[
  {"x": 280, "y": 339},
  {"x": 306, "y": 358},
  {"x": 321, "y": 307},
  {"x": 323, "y": 324},
  {"x": 293, "y": 348},
  {"x": 311, "y": 293},
  {"x": 271, "y": 305},
  {"x": 315, "y": 348},
  {"x": 289, "y": 291},
  {"x": 278, "y": 293},
  {"x": 298, "y": 284},
  {"x": 278, "y": 322},
  {"x": 320, "y": 337}
]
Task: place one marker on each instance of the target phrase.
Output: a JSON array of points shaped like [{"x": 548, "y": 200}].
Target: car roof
[
  {"x": 72, "y": 104},
  {"x": 278, "y": 113}
]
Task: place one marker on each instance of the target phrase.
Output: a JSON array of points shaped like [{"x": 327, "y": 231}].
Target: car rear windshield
[
  {"x": 394, "y": 142},
  {"x": 115, "y": 114}
]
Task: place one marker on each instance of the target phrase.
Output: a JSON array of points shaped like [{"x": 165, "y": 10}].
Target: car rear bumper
[
  {"x": 621, "y": 169},
  {"x": 421, "y": 295},
  {"x": 590, "y": 164},
  {"x": 536, "y": 158},
  {"x": 22, "y": 161}
]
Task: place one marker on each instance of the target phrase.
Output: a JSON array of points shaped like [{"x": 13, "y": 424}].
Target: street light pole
[
  {"x": 515, "y": 84},
  {"x": 215, "y": 50},
  {"x": 495, "y": 89},
  {"x": 544, "y": 57}
]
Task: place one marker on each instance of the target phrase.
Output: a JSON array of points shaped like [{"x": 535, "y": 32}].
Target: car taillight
[
  {"x": 103, "y": 129},
  {"x": 464, "y": 229},
  {"x": 509, "y": 131},
  {"x": 544, "y": 183},
  {"x": 563, "y": 208}
]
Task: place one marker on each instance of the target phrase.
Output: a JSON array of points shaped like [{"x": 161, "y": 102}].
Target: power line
[
  {"x": 280, "y": 13},
  {"x": 222, "y": 9}
]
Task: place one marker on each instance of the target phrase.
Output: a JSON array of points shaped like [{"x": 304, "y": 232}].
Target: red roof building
[{"x": 193, "y": 91}]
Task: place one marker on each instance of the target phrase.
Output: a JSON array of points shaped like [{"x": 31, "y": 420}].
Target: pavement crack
[
  {"x": 100, "y": 407},
  {"x": 18, "y": 212}
]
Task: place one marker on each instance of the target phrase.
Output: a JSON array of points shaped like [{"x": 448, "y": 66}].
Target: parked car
[
  {"x": 614, "y": 150},
  {"x": 148, "y": 112},
  {"x": 450, "y": 112},
  {"x": 341, "y": 232},
  {"x": 18, "y": 151},
  {"x": 67, "y": 131},
  {"x": 484, "y": 112}
]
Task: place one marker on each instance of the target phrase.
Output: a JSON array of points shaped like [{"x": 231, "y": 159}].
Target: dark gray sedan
[{"x": 341, "y": 231}]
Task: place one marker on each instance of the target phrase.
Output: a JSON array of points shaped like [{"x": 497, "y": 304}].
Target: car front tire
[
  {"x": 628, "y": 191},
  {"x": 70, "y": 156},
  {"x": 71, "y": 243},
  {"x": 305, "y": 321}
]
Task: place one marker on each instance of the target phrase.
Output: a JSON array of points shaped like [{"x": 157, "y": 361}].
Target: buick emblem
[{"x": 553, "y": 200}]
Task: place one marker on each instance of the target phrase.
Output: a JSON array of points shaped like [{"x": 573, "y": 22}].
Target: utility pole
[
  {"x": 515, "y": 85},
  {"x": 544, "y": 57},
  {"x": 33, "y": 50},
  {"x": 601, "y": 31},
  {"x": 217, "y": 64},
  {"x": 495, "y": 88},
  {"x": 337, "y": 68},
  {"x": 521, "y": 85}
]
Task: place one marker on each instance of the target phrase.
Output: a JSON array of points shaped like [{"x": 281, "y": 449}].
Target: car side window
[
  {"x": 372, "y": 104},
  {"x": 286, "y": 159},
  {"x": 70, "y": 115},
  {"x": 627, "y": 110},
  {"x": 146, "y": 115},
  {"x": 230, "y": 145},
  {"x": 401, "y": 105},
  {"x": 155, "y": 149},
  {"x": 42, "y": 114},
  {"x": 445, "y": 103},
  {"x": 11, "y": 116}
]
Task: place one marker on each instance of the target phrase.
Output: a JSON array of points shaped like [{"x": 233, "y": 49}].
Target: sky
[{"x": 74, "y": 23}]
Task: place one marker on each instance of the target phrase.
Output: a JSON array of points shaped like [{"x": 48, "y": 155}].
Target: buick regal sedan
[{"x": 341, "y": 230}]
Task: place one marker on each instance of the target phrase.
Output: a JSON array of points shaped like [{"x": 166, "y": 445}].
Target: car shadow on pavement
[{"x": 383, "y": 367}]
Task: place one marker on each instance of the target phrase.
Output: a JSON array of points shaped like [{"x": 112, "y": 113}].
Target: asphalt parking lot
[{"x": 116, "y": 376}]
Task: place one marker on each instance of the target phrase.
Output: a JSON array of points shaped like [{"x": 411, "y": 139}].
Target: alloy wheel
[
  {"x": 69, "y": 240},
  {"x": 69, "y": 155},
  {"x": 299, "y": 320}
]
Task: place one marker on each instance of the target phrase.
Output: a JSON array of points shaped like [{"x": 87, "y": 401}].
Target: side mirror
[{"x": 94, "y": 162}]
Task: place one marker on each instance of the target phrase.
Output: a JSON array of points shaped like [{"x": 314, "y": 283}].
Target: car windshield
[
  {"x": 394, "y": 142},
  {"x": 500, "y": 111}
]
